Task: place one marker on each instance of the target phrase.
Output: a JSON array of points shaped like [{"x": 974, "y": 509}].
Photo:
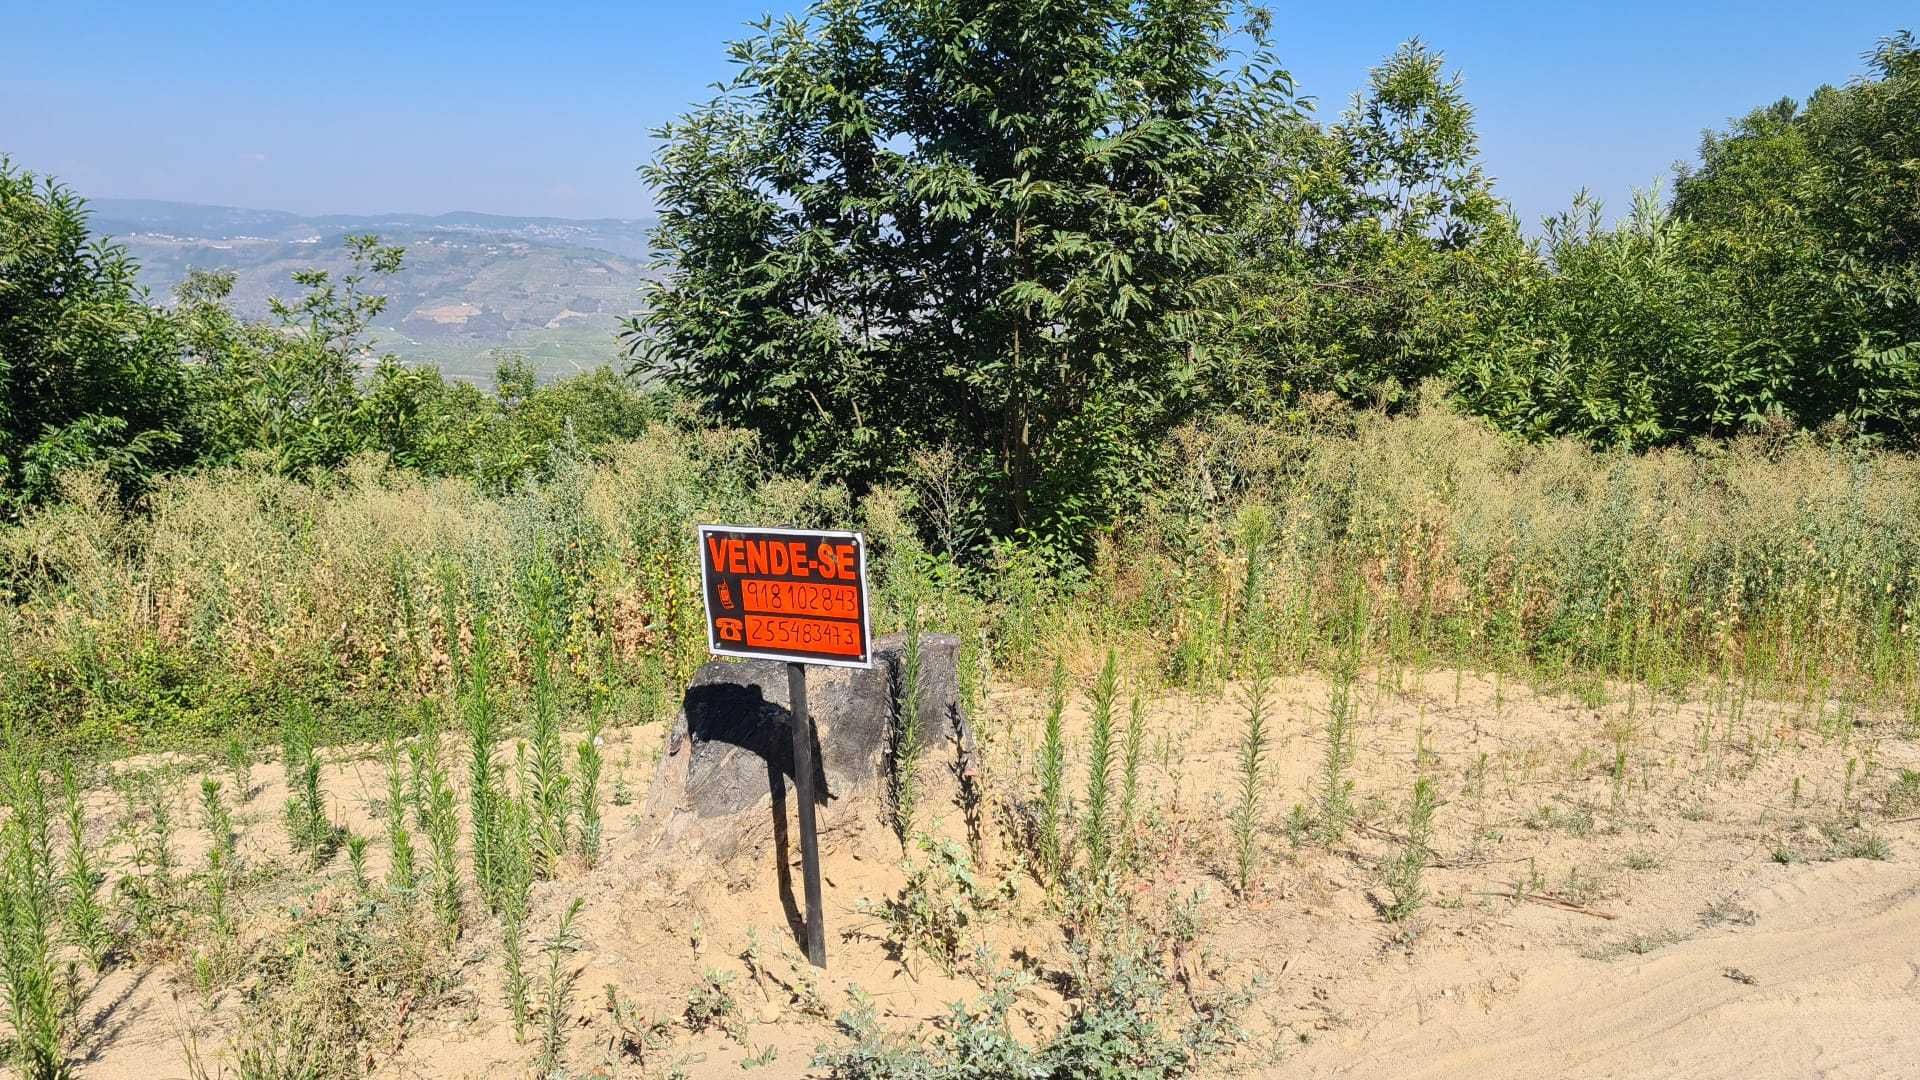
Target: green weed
[
  {"x": 1097, "y": 826},
  {"x": 1050, "y": 851},
  {"x": 1403, "y": 871},
  {"x": 29, "y": 904},
  {"x": 1336, "y": 785},
  {"x": 401, "y": 874},
  {"x": 86, "y": 918},
  {"x": 1244, "y": 818}
]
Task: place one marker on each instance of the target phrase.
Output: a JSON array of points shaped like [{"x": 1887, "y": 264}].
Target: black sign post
[
  {"x": 799, "y": 596},
  {"x": 803, "y": 798}
]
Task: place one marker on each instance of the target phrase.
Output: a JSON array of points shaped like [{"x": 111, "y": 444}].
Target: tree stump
[{"x": 721, "y": 790}]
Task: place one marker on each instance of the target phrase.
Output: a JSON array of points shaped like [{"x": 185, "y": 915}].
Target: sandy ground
[{"x": 1681, "y": 916}]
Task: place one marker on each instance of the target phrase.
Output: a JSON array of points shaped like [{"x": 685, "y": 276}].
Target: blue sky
[{"x": 357, "y": 107}]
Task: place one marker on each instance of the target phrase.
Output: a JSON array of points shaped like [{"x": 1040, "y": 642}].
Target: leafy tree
[
  {"x": 502, "y": 439},
  {"x": 1615, "y": 337},
  {"x": 1781, "y": 287},
  {"x": 1807, "y": 218},
  {"x": 984, "y": 223},
  {"x": 291, "y": 391},
  {"x": 89, "y": 372},
  {"x": 1378, "y": 250},
  {"x": 307, "y": 392}
]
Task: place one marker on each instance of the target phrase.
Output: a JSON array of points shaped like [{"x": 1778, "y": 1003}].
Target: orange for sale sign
[{"x": 786, "y": 594}]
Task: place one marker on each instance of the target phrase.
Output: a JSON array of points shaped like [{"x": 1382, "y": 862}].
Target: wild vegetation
[
  {"x": 1240, "y": 451},
  {"x": 1043, "y": 238}
]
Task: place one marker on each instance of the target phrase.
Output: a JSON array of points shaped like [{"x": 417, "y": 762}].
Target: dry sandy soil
[{"x": 1687, "y": 919}]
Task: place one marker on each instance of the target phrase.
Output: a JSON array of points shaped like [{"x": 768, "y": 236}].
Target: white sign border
[{"x": 706, "y": 604}]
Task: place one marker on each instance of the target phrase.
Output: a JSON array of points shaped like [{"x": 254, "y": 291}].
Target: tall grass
[{"x": 1780, "y": 563}]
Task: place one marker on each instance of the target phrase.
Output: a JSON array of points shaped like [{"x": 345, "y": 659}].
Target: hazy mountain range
[{"x": 473, "y": 288}]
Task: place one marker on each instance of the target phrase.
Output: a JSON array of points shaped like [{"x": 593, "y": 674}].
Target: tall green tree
[
  {"x": 1377, "y": 252},
  {"x": 984, "y": 223},
  {"x": 1781, "y": 287},
  {"x": 89, "y": 372},
  {"x": 1807, "y": 218}
]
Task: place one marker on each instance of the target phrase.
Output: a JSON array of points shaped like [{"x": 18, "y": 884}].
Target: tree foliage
[
  {"x": 307, "y": 391},
  {"x": 1808, "y": 222},
  {"x": 1376, "y": 254},
  {"x": 88, "y": 369},
  {"x": 984, "y": 223},
  {"x": 94, "y": 375},
  {"x": 1782, "y": 286},
  {"x": 1000, "y": 248}
]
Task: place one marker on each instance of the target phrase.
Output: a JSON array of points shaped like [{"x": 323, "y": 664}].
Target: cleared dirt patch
[{"x": 1616, "y": 887}]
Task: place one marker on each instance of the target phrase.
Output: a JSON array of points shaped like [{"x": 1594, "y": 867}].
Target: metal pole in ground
[{"x": 803, "y": 795}]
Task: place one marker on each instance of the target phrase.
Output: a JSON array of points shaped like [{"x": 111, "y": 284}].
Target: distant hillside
[{"x": 474, "y": 286}]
